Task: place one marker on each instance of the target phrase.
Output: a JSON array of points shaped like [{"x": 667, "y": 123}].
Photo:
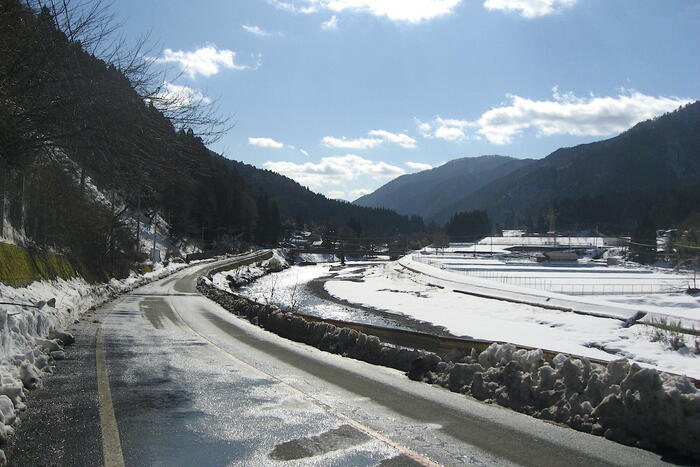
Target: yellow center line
[{"x": 111, "y": 444}]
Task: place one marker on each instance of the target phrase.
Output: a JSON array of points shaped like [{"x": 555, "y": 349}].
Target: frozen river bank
[{"x": 303, "y": 289}]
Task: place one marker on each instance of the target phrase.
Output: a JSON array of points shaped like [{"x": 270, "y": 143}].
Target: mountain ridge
[
  {"x": 422, "y": 193},
  {"x": 637, "y": 170}
]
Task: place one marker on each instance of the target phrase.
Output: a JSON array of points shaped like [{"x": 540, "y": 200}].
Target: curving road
[{"x": 166, "y": 377}]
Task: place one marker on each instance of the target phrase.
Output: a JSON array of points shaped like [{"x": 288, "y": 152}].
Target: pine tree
[{"x": 643, "y": 241}]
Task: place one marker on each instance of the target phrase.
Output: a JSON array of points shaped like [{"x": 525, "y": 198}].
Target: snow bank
[
  {"x": 316, "y": 257},
  {"x": 31, "y": 320},
  {"x": 621, "y": 401}
]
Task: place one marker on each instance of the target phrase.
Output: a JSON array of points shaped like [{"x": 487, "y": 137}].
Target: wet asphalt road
[{"x": 192, "y": 384}]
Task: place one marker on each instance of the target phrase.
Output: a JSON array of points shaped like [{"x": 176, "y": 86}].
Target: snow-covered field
[
  {"x": 598, "y": 331},
  {"x": 501, "y": 245},
  {"x": 31, "y": 319},
  {"x": 393, "y": 288},
  {"x": 656, "y": 291},
  {"x": 585, "y": 277}
]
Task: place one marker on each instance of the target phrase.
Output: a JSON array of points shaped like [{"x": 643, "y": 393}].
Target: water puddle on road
[
  {"x": 158, "y": 313},
  {"x": 343, "y": 437}
]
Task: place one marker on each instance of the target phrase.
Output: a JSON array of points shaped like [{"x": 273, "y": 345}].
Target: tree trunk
[
  {"x": 82, "y": 180},
  {"x": 110, "y": 247},
  {"x": 3, "y": 201},
  {"x": 138, "y": 223},
  {"x": 22, "y": 203}
]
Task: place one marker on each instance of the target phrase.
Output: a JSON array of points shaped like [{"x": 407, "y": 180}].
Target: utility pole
[
  {"x": 153, "y": 252},
  {"x": 138, "y": 223}
]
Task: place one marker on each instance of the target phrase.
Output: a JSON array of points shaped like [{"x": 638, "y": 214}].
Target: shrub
[{"x": 274, "y": 265}]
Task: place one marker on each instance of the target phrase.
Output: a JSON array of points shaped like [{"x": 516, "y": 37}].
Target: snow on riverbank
[
  {"x": 289, "y": 290},
  {"x": 397, "y": 290},
  {"x": 31, "y": 320}
]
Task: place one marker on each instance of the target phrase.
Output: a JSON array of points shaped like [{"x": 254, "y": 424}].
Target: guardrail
[{"x": 241, "y": 260}]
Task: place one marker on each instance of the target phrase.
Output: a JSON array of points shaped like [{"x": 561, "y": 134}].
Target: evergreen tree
[
  {"x": 469, "y": 225},
  {"x": 643, "y": 242}
]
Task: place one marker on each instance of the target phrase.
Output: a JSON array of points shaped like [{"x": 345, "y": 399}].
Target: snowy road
[{"x": 190, "y": 384}]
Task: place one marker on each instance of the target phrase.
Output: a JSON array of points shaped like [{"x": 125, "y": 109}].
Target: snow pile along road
[
  {"x": 31, "y": 320},
  {"x": 622, "y": 401}
]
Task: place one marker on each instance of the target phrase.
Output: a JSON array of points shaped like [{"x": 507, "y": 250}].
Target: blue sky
[{"x": 344, "y": 95}]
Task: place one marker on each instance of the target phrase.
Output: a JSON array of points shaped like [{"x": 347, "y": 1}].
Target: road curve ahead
[{"x": 180, "y": 381}]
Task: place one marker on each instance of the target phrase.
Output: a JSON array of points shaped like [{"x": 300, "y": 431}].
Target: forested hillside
[
  {"x": 304, "y": 206},
  {"x": 652, "y": 168},
  {"x": 88, "y": 138}
]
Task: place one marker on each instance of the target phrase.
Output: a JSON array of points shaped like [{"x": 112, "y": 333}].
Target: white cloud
[
  {"x": 173, "y": 96},
  {"x": 296, "y": 6},
  {"x": 449, "y": 129},
  {"x": 564, "y": 114},
  {"x": 266, "y": 143},
  {"x": 335, "y": 194},
  {"x": 401, "y": 139},
  {"x": 419, "y": 166},
  {"x": 331, "y": 24},
  {"x": 408, "y": 11},
  {"x": 304, "y": 152},
  {"x": 334, "y": 170},
  {"x": 378, "y": 137},
  {"x": 530, "y": 8},
  {"x": 344, "y": 143},
  {"x": 570, "y": 115},
  {"x": 205, "y": 61},
  {"x": 256, "y": 30}
]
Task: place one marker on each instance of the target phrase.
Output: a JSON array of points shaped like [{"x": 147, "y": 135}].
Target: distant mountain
[
  {"x": 654, "y": 166},
  {"x": 429, "y": 192},
  {"x": 297, "y": 202}
]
